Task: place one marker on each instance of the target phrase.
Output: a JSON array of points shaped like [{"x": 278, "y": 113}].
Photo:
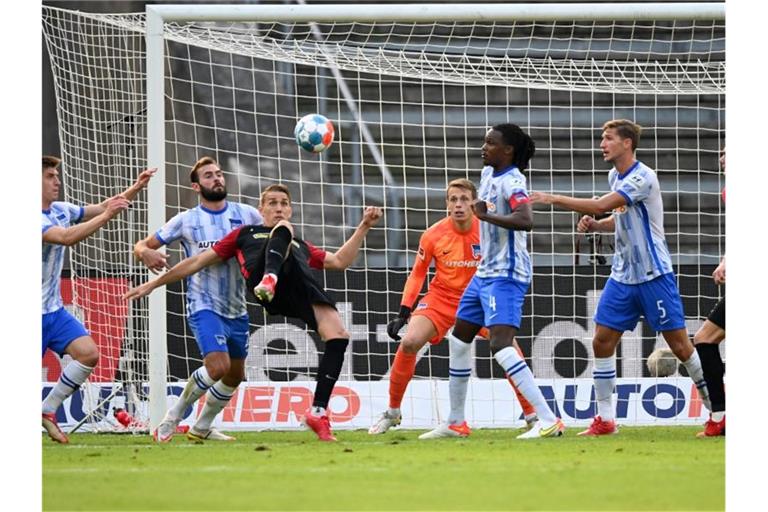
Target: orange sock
[
  {"x": 402, "y": 371},
  {"x": 525, "y": 404}
]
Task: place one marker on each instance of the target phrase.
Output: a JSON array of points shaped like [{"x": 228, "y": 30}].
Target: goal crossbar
[{"x": 440, "y": 12}]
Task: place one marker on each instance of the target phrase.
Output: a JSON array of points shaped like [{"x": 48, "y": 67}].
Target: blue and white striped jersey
[
  {"x": 218, "y": 288},
  {"x": 504, "y": 251},
  {"x": 60, "y": 214},
  {"x": 641, "y": 250}
]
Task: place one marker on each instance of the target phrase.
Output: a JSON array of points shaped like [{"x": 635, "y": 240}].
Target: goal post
[{"x": 411, "y": 89}]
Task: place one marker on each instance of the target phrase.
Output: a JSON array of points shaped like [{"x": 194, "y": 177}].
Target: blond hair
[
  {"x": 462, "y": 183},
  {"x": 626, "y": 129},
  {"x": 277, "y": 187}
]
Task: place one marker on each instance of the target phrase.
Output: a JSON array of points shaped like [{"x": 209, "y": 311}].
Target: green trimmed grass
[{"x": 642, "y": 468}]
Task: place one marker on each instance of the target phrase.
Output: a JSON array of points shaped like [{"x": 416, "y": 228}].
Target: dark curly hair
[{"x": 524, "y": 146}]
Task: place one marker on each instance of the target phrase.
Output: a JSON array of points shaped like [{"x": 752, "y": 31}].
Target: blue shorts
[
  {"x": 658, "y": 300},
  {"x": 216, "y": 333},
  {"x": 60, "y": 329},
  {"x": 491, "y": 301}
]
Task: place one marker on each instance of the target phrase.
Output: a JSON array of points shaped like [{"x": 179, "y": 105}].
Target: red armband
[{"x": 517, "y": 199}]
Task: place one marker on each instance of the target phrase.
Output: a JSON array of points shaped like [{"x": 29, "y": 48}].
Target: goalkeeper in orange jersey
[{"x": 454, "y": 244}]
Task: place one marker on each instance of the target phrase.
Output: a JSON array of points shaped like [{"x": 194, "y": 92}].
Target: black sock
[
  {"x": 714, "y": 369},
  {"x": 329, "y": 369},
  {"x": 277, "y": 249}
]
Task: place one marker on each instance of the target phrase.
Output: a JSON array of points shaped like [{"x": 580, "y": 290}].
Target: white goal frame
[{"x": 158, "y": 15}]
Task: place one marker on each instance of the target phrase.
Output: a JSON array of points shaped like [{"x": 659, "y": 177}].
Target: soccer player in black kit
[{"x": 276, "y": 266}]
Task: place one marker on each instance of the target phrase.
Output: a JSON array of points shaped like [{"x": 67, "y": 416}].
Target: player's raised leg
[{"x": 277, "y": 249}]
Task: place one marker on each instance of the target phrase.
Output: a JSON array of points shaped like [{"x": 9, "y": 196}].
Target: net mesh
[{"x": 411, "y": 103}]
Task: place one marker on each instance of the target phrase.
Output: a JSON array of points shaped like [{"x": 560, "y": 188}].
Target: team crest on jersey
[
  {"x": 235, "y": 222},
  {"x": 475, "y": 251}
]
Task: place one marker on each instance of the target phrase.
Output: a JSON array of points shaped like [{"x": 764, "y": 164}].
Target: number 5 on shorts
[{"x": 660, "y": 307}]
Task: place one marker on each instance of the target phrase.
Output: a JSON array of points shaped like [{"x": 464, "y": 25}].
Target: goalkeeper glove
[{"x": 397, "y": 323}]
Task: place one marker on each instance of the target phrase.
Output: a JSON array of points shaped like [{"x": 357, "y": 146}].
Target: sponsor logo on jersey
[
  {"x": 491, "y": 204},
  {"x": 462, "y": 263},
  {"x": 421, "y": 252},
  {"x": 620, "y": 209},
  {"x": 205, "y": 244},
  {"x": 260, "y": 235},
  {"x": 422, "y": 305}
]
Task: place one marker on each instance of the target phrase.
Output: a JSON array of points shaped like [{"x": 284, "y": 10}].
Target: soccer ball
[
  {"x": 662, "y": 363},
  {"x": 314, "y": 133}
]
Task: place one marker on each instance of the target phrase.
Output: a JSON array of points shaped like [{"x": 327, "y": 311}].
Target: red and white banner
[{"x": 490, "y": 403}]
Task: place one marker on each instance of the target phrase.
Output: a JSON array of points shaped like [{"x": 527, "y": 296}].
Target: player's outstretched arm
[
  {"x": 521, "y": 217},
  {"x": 130, "y": 194},
  {"x": 594, "y": 206},
  {"x": 344, "y": 257},
  {"x": 412, "y": 287},
  {"x": 147, "y": 252},
  {"x": 182, "y": 269},
  {"x": 79, "y": 232}
]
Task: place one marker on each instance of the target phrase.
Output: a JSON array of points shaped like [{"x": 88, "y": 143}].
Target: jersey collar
[
  {"x": 215, "y": 212},
  {"x": 630, "y": 171},
  {"x": 503, "y": 171}
]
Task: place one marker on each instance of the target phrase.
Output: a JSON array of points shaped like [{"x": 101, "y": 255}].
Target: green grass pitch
[{"x": 642, "y": 468}]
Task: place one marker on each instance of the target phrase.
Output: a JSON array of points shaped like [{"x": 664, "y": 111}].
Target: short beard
[{"x": 210, "y": 194}]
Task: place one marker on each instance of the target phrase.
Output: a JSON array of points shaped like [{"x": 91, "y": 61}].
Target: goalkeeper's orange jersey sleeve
[{"x": 456, "y": 256}]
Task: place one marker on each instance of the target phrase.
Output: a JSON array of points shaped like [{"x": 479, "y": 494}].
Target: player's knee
[
  {"x": 411, "y": 345},
  {"x": 497, "y": 344},
  {"x": 89, "y": 357},
  {"x": 217, "y": 368},
  {"x": 708, "y": 333}
]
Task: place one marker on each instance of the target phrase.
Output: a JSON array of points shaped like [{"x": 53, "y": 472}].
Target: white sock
[
  {"x": 71, "y": 378},
  {"x": 718, "y": 416},
  {"x": 393, "y": 413},
  {"x": 693, "y": 367},
  {"x": 217, "y": 398},
  {"x": 459, "y": 370},
  {"x": 199, "y": 382},
  {"x": 318, "y": 412},
  {"x": 604, "y": 376},
  {"x": 517, "y": 370}
]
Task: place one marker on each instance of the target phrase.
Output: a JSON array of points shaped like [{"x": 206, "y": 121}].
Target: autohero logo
[{"x": 206, "y": 244}]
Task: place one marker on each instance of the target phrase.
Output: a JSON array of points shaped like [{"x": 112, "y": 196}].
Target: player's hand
[
  {"x": 115, "y": 205},
  {"x": 586, "y": 224},
  {"x": 144, "y": 177},
  {"x": 394, "y": 326},
  {"x": 480, "y": 208},
  {"x": 155, "y": 260},
  {"x": 372, "y": 215},
  {"x": 719, "y": 274},
  {"x": 138, "y": 292},
  {"x": 541, "y": 198}
]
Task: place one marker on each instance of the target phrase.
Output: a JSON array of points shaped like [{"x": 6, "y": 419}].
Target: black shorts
[
  {"x": 717, "y": 315},
  {"x": 295, "y": 293}
]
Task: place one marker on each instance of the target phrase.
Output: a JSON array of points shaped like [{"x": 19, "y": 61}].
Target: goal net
[{"x": 410, "y": 101}]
